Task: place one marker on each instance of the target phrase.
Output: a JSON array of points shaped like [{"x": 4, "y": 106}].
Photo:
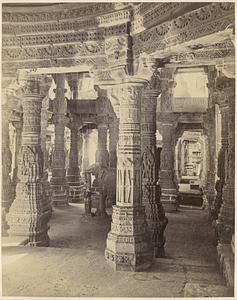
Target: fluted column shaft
[
  {"x": 127, "y": 243},
  {"x": 30, "y": 211},
  {"x": 150, "y": 191}
]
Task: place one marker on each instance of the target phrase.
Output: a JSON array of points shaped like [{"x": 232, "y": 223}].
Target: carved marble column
[
  {"x": 30, "y": 211},
  {"x": 167, "y": 117},
  {"x": 225, "y": 221},
  {"x": 18, "y": 126},
  {"x": 127, "y": 245},
  {"x": 155, "y": 214},
  {"x": 58, "y": 181},
  {"x": 6, "y": 166},
  {"x": 45, "y": 116},
  {"x": 73, "y": 169},
  {"x": 85, "y": 158},
  {"x": 113, "y": 141},
  {"x": 102, "y": 155},
  {"x": 73, "y": 172},
  {"x": 211, "y": 126}
]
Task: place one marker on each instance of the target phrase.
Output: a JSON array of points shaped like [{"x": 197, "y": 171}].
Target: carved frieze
[
  {"x": 203, "y": 21},
  {"x": 86, "y": 10},
  {"x": 89, "y": 48}
]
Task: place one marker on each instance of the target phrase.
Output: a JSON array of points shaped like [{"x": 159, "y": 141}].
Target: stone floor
[{"x": 74, "y": 265}]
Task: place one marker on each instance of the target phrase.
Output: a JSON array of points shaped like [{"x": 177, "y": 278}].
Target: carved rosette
[
  {"x": 150, "y": 197},
  {"x": 127, "y": 242},
  {"x": 30, "y": 212},
  {"x": 58, "y": 181}
]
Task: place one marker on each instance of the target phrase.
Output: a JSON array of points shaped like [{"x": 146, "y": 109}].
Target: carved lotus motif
[
  {"x": 163, "y": 29},
  {"x": 227, "y": 6},
  {"x": 205, "y": 13},
  {"x": 182, "y": 22}
]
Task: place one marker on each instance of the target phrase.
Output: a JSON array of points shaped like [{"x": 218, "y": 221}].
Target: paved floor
[{"x": 74, "y": 265}]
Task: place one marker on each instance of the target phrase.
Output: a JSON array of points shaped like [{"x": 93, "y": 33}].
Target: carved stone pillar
[
  {"x": 18, "y": 126},
  {"x": 85, "y": 158},
  {"x": 73, "y": 170},
  {"x": 211, "y": 126},
  {"x": 127, "y": 243},
  {"x": 58, "y": 181},
  {"x": 156, "y": 218},
  {"x": 167, "y": 117},
  {"x": 225, "y": 221},
  {"x": 45, "y": 116},
  {"x": 113, "y": 141},
  {"x": 6, "y": 167},
  {"x": 102, "y": 155},
  {"x": 30, "y": 211}
]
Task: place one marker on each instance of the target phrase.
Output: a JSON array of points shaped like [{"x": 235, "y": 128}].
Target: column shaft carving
[
  {"x": 58, "y": 181},
  {"x": 30, "y": 211},
  {"x": 85, "y": 158},
  {"x": 167, "y": 176},
  {"x": 102, "y": 155},
  {"x": 127, "y": 243},
  {"x": 155, "y": 214},
  {"x": 225, "y": 221},
  {"x": 6, "y": 167},
  {"x": 113, "y": 141},
  {"x": 73, "y": 170},
  {"x": 18, "y": 126}
]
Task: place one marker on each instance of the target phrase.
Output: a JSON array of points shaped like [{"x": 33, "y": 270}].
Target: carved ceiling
[{"x": 114, "y": 35}]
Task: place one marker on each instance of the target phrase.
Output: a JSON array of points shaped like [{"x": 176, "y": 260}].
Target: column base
[
  {"x": 5, "y": 225},
  {"x": 32, "y": 227},
  {"x": 225, "y": 258},
  {"x": 169, "y": 198},
  {"x": 127, "y": 247},
  {"x": 59, "y": 196}
]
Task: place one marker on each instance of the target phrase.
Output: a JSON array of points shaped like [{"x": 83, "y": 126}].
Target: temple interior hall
[{"x": 118, "y": 149}]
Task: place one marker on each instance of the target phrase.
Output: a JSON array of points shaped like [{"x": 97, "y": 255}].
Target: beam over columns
[
  {"x": 58, "y": 181},
  {"x": 30, "y": 211},
  {"x": 127, "y": 243}
]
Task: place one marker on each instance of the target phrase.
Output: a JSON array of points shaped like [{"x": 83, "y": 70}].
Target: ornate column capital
[{"x": 32, "y": 84}]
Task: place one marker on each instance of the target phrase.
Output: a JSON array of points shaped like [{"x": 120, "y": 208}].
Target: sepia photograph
[{"x": 118, "y": 149}]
